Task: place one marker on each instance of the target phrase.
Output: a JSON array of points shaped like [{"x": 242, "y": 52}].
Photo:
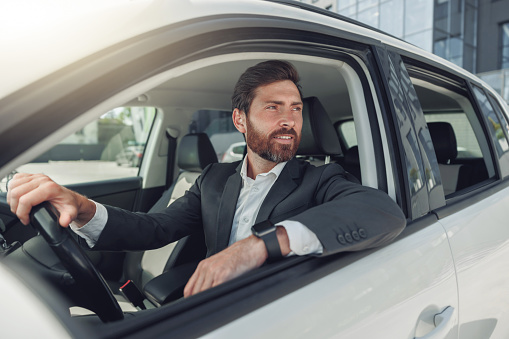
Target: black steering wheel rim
[{"x": 101, "y": 300}]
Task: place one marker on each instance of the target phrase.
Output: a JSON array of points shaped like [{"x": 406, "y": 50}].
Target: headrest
[
  {"x": 318, "y": 134},
  {"x": 195, "y": 152},
  {"x": 444, "y": 141}
]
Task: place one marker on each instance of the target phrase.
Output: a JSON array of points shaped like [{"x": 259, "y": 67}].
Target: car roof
[{"x": 45, "y": 36}]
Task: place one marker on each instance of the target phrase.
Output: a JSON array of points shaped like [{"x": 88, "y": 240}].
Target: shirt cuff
[
  {"x": 92, "y": 230},
  {"x": 302, "y": 240}
]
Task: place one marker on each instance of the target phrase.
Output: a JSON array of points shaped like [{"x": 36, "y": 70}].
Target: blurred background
[{"x": 473, "y": 34}]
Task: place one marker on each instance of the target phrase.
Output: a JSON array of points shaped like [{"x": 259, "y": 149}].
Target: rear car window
[
  {"x": 467, "y": 144},
  {"x": 218, "y": 125},
  {"x": 451, "y": 117}
]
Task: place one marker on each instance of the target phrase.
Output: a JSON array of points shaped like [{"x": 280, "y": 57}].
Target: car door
[
  {"x": 475, "y": 213},
  {"x": 407, "y": 289}
]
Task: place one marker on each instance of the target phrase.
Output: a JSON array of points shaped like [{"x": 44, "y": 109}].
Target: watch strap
[
  {"x": 266, "y": 231},
  {"x": 272, "y": 245}
]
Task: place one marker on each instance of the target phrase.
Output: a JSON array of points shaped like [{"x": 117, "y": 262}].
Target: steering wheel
[{"x": 43, "y": 218}]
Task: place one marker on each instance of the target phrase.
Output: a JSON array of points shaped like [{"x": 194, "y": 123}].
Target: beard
[{"x": 268, "y": 148}]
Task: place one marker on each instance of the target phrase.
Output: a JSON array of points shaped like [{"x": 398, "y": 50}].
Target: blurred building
[{"x": 473, "y": 34}]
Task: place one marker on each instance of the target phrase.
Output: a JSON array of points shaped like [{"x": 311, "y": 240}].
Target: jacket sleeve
[
  {"x": 351, "y": 217},
  {"x": 129, "y": 231}
]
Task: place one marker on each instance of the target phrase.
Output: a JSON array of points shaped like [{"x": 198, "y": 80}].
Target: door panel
[
  {"x": 121, "y": 193},
  {"x": 479, "y": 237},
  {"x": 394, "y": 292}
]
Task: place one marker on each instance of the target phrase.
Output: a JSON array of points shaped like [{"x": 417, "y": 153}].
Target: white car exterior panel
[
  {"x": 479, "y": 237},
  {"x": 20, "y": 305},
  {"x": 392, "y": 293}
]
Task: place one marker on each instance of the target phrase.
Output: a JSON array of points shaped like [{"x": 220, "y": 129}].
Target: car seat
[
  {"x": 318, "y": 139},
  {"x": 195, "y": 152},
  {"x": 454, "y": 176}
]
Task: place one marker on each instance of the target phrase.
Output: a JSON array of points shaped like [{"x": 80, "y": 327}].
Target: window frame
[{"x": 450, "y": 77}]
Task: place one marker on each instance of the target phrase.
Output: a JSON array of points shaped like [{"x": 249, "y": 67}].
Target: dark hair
[{"x": 261, "y": 74}]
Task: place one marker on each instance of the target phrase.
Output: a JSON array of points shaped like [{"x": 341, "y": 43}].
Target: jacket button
[
  {"x": 348, "y": 237},
  {"x": 341, "y": 239},
  {"x": 362, "y": 233},
  {"x": 355, "y": 235}
]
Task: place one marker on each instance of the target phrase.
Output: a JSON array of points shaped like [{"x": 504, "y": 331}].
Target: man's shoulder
[
  {"x": 305, "y": 166},
  {"x": 225, "y": 166},
  {"x": 301, "y": 169},
  {"x": 221, "y": 169}
]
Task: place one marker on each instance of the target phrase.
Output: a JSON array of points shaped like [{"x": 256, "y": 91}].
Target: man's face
[{"x": 274, "y": 122}]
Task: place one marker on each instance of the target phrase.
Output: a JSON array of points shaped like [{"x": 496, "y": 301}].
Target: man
[{"x": 312, "y": 207}]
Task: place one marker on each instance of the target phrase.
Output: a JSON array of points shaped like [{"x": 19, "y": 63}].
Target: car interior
[{"x": 178, "y": 149}]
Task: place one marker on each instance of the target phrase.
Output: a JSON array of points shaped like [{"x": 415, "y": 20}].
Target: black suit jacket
[{"x": 344, "y": 215}]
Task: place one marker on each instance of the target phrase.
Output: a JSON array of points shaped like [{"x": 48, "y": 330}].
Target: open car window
[{"x": 110, "y": 147}]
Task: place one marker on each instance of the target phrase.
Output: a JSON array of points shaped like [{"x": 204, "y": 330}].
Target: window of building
[
  {"x": 388, "y": 11},
  {"x": 504, "y": 45},
  {"x": 342, "y": 4}
]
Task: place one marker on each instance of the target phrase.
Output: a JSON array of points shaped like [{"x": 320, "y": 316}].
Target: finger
[
  {"x": 65, "y": 219},
  {"x": 26, "y": 202},
  {"x": 198, "y": 282},
  {"x": 17, "y": 180},
  {"x": 189, "y": 286},
  {"x": 204, "y": 283},
  {"x": 22, "y": 187}
]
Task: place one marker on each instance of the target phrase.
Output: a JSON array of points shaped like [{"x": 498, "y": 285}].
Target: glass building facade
[
  {"x": 473, "y": 34},
  {"x": 411, "y": 20},
  {"x": 438, "y": 26}
]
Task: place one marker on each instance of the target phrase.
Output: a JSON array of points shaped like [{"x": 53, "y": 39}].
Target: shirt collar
[{"x": 276, "y": 170}]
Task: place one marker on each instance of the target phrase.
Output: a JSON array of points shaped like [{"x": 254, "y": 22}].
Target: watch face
[{"x": 263, "y": 228}]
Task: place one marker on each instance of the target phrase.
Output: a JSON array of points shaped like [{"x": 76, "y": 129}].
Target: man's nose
[{"x": 287, "y": 119}]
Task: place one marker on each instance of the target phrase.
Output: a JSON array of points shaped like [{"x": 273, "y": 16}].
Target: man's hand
[
  {"x": 28, "y": 190},
  {"x": 239, "y": 258}
]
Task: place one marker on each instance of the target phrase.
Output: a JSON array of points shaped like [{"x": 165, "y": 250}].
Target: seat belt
[{"x": 172, "y": 135}]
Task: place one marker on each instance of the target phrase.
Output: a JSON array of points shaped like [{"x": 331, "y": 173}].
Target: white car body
[{"x": 445, "y": 276}]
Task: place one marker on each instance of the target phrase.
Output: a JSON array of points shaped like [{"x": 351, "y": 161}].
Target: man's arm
[
  {"x": 28, "y": 190},
  {"x": 349, "y": 216},
  {"x": 343, "y": 207},
  {"x": 93, "y": 229},
  {"x": 241, "y": 257}
]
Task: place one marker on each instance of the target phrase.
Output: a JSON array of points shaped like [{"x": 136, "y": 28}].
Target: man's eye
[
  {"x": 271, "y": 107},
  {"x": 297, "y": 108}
]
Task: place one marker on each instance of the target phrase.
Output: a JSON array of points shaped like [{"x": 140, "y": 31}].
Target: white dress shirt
[{"x": 253, "y": 192}]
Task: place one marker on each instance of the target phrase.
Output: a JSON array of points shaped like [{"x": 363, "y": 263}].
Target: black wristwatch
[{"x": 266, "y": 231}]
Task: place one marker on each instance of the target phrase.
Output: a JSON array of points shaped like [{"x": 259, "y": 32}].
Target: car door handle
[{"x": 443, "y": 324}]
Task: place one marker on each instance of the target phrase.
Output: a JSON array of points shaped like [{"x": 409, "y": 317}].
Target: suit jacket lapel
[
  {"x": 284, "y": 185},
  {"x": 227, "y": 207}
]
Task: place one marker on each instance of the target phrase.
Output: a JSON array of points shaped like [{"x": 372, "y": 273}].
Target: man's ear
[{"x": 239, "y": 120}]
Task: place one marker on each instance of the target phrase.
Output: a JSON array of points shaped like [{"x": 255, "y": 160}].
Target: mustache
[{"x": 286, "y": 131}]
